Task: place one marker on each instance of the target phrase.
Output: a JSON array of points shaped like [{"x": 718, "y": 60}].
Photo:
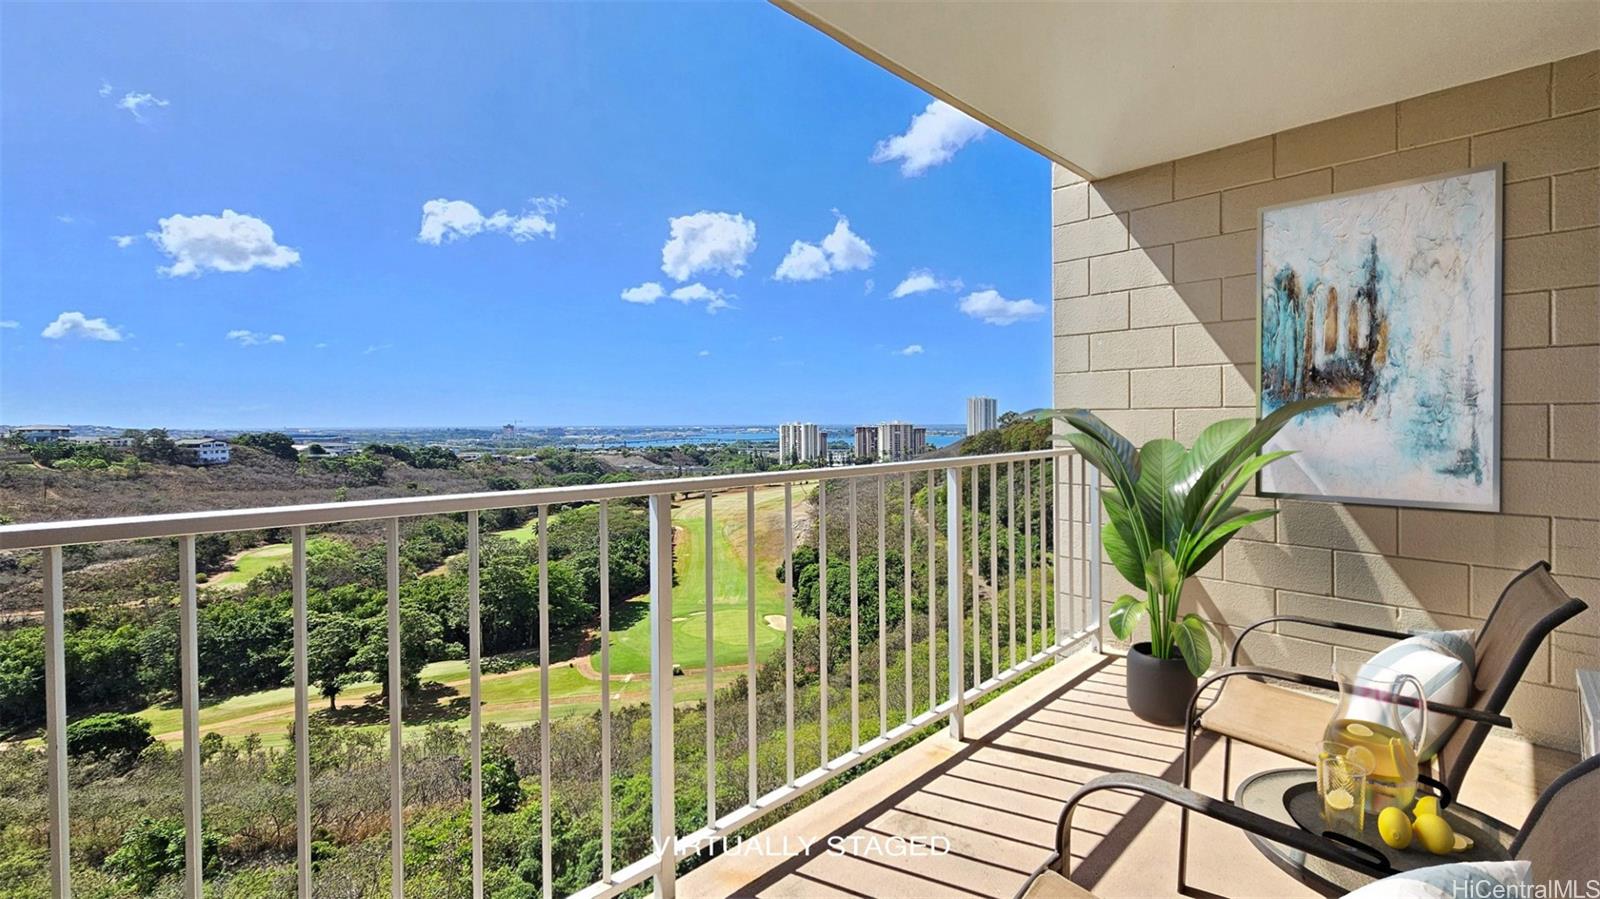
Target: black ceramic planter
[{"x": 1159, "y": 690}]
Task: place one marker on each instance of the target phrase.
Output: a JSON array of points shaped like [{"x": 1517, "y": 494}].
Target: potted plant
[{"x": 1169, "y": 510}]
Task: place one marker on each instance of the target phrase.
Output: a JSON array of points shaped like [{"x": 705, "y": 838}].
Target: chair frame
[{"x": 1497, "y": 697}]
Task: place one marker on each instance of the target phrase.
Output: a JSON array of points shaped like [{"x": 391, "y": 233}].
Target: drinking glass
[{"x": 1342, "y": 772}]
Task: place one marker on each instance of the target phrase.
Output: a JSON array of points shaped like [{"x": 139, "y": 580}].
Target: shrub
[
  {"x": 152, "y": 850},
  {"x": 108, "y": 734}
]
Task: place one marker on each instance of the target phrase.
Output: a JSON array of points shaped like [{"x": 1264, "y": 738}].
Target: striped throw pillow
[{"x": 1443, "y": 662}]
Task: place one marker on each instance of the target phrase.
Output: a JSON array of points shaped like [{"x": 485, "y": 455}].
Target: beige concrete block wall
[{"x": 1155, "y": 304}]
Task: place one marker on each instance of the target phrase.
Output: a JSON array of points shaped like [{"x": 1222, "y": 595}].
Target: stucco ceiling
[{"x": 1109, "y": 87}]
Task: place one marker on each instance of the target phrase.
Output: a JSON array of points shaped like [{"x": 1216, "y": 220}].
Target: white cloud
[
  {"x": 253, "y": 338},
  {"x": 644, "y": 294},
  {"x": 868, "y": 287},
  {"x": 133, "y": 101},
  {"x": 804, "y": 262},
  {"x": 699, "y": 293},
  {"x": 228, "y": 243},
  {"x": 65, "y": 219},
  {"x": 76, "y": 324},
  {"x": 105, "y": 88},
  {"x": 444, "y": 221},
  {"x": 707, "y": 242},
  {"x": 842, "y": 250},
  {"x": 703, "y": 353},
  {"x": 914, "y": 349},
  {"x": 8, "y": 323},
  {"x": 376, "y": 348},
  {"x": 991, "y": 308},
  {"x": 319, "y": 346},
  {"x": 935, "y": 135},
  {"x": 123, "y": 241},
  {"x": 846, "y": 250},
  {"x": 921, "y": 281}
]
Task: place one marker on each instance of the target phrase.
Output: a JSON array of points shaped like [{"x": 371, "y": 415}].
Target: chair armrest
[
  {"x": 1227, "y": 813},
  {"x": 1233, "y": 655},
  {"x": 1309, "y": 680}
]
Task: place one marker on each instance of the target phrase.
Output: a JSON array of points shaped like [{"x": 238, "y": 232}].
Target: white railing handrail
[{"x": 42, "y": 534}]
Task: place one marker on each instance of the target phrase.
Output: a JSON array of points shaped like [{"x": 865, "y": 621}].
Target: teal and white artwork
[{"x": 1390, "y": 298}]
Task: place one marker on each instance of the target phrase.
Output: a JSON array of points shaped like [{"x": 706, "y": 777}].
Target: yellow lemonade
[{"x": 1393, "y": 780}]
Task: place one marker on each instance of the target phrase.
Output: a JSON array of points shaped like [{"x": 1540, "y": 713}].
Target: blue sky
[{"x": 287, "y": 216}]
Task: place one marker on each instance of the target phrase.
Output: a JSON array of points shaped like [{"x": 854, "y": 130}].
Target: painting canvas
[{"x": 1390, "y": 299}]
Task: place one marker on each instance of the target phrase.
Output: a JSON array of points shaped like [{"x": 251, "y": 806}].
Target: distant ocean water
[{"x": 601, "y": 437}]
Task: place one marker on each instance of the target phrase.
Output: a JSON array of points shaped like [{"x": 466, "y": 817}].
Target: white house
[{"x": 203, "y": 451}]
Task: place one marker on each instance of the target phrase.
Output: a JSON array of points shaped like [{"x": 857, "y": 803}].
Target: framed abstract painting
[{"x": 1388, "y": 297}]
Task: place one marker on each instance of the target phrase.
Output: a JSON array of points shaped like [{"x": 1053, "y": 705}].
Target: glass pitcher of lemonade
[{"x": 1372, "y": 716}]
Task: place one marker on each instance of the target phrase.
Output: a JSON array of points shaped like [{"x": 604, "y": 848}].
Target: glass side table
[{"x": 1289, "y": 795}]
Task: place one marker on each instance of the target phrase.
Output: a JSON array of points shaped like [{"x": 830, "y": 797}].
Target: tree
[
  {"x": 421, "y": 640},
  {"x": 244, "y": 646},
  {"x": 332, "y": 642},
  {"x": 271, "y": 442},
  {"x": 155, "y": 445},
  {"x": 108, "y": 734}
]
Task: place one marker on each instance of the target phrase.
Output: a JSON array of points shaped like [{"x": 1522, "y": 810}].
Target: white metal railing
[{"x": 1065, "y": 603}]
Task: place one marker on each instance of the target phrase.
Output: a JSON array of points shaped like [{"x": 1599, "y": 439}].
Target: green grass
[
  {"x": 630, "y": 648},
  {"x": 250, "y": 563},
  {"x": 522, "y": 534}
]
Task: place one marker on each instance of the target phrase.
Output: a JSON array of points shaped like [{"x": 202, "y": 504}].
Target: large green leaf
[
  {"x": 1125, "y": 615},
  {"x": 1221, "y": 470},
  {"x": 1122, "y": 554},
  {"x": 1161, "y": 573},
  {"x": 1102, "y": 457},
  {"x": 1159, "y": 463},
  {"x": 1212, "y": 540},
  {"x": 1090, "y": 424},
  {"x": 1194, "y": 643},
  {"x": 1213, "y": 442},
  {"x": 1236, "y": 484}
]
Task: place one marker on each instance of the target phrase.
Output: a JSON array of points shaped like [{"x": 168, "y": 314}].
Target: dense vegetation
[{"x": 122, "y": 654}]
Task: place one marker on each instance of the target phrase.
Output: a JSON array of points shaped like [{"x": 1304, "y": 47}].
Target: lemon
[
  {"x": 1435, "y": 834},
  {"x": 1463, "y": 842},
  {"x": 1357, "y": 729},
  {"x": 1394, "y": 827},
  {"x": 1339, "y": 799},
  {"x": 1426, "y": 805}
]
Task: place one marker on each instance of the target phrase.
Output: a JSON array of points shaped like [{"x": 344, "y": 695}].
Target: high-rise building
[
  {"x": 866, "y": 442},
  {"x": 800, "y": 441},
  {"x": 898, "y": 440},
  {"x": 982, "y": 414},
  {"x": 919, "y": 441}
]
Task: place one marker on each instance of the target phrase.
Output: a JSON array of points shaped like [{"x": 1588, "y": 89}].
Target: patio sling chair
[
  {"x": 1558, "y": 840},
  {"x": 1291, "y": 721}
]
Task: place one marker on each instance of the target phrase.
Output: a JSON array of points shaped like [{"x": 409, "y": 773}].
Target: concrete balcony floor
[{"x": 997, "y": 795}]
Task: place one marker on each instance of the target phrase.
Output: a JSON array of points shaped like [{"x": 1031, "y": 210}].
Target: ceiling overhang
[{"x": 1105, "y": 88}]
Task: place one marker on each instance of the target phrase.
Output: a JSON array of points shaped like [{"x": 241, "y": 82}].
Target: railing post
[
  {"x": 1091, "y": 539},
  {"x": 661, "y": 741},
  {"x": 952, "y": 539},
  {"x": 1063, "y": 615},
  {"x": 55, "y": 713},
  {"x": 189, "y": 687}
]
